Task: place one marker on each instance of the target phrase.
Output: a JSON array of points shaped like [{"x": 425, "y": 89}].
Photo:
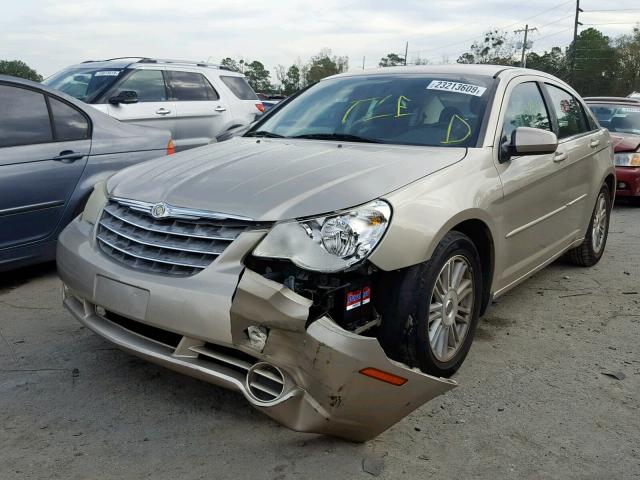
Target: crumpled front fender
[{"x": 325, "y": 362}]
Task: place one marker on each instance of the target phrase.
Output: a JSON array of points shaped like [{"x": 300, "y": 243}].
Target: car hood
[
  {"x": 625, "y": 143},
  {"x": 276, "y": 179}
]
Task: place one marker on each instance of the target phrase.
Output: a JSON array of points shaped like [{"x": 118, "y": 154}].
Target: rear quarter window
[{"x": 239, "y": 87}]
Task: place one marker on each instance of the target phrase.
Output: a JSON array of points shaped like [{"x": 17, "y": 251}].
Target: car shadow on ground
[{"x": 13, "y": 279}]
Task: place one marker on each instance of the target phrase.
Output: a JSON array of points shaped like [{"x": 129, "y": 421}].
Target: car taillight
[
  {"x": 260, "y": 107},
  {"x": 171, "y": 148}
]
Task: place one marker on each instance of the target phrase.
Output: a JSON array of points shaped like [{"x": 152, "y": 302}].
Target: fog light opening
[{"x": 265, "y": 382}]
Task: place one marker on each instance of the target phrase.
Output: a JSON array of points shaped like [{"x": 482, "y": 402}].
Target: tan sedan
[{"x": 331, "y": 264}]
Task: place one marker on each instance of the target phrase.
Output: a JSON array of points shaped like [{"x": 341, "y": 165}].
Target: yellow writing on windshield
[
  {"x": 375, "y": 104},
  {"x": 448, "y": 140}
]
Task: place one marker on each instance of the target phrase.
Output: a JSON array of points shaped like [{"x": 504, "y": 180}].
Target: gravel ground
[{"x": 534, "y": 400}]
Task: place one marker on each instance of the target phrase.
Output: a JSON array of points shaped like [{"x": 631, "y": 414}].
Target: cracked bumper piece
[{"x": 307, "y": 378}]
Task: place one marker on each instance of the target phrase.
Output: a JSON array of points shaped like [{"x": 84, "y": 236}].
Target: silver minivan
[{"x": 196, "y": 101}]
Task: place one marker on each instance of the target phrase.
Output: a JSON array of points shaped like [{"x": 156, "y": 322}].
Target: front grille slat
[
  {"x": 177, "y": 247},
  {"x": 146, "y": 222}
]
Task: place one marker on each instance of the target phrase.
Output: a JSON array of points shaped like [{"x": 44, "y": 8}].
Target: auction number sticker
[
  {"x": 466, "y": 88},
  {"x": 107, "y": 73}
]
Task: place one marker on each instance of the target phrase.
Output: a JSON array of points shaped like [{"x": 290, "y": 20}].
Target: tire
[
  {"x": 589, "y": 252},
  {"x": 404, "y": 332}
]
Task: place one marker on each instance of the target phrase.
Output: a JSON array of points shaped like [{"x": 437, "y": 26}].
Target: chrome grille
[{"x": 174, "y": 246}]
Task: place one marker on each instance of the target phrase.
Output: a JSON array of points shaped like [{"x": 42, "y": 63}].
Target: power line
[
  {"x": 555, "y": 33},
  {"x": 499, "y": 28},
  {"x": 610, "y": 23}
]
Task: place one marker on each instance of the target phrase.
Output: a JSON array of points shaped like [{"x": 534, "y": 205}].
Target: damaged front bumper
[{"x": 306, "y": 377}]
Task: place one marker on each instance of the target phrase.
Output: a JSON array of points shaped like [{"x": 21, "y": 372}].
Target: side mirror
[
  {"x": 528, "y": 141},
  {"x": 125, "y": 96}
]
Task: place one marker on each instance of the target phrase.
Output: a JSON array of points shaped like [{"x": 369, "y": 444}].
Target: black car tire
[
  {"x": 404, "y": 332},
  {"x": 585, "y": 255}
]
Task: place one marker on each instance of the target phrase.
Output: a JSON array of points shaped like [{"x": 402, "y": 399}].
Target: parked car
[
  {"x": 53, "y": 149},
  {"x": 196, "y": 101},
  {"x": 621, "y": 116},
  {"x": 270, "y": 100},
  {"x": 332, "y": 263},
  {"x": 634, "y": 95}
]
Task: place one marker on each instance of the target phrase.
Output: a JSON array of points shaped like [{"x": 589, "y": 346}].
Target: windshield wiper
[
  {"x": 264, "y": 134},
  {"x": 338, "y": 136}
]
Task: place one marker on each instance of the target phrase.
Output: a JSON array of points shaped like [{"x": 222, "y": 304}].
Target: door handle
[
  {"x": 68, "y": 156},
  {"x": 560, "y": 156},
  {"x": 594, "y": 143},
  {"x": 220, "y": 109},
  {"x": 163, "y": 111}
]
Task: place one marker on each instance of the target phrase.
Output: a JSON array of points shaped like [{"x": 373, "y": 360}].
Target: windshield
[
  {"x": 618, "y": 118},
  {"x": 398, "y": 109},
  {"x": 83, "y": 83}
]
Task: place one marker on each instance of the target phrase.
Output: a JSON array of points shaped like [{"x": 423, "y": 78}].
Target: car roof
[
  {"x": 133, "y": 62},
  {"x": 632, "y": 101},
  {"x": 44, "y": 88},
  {"x": 455, "y": 69}
]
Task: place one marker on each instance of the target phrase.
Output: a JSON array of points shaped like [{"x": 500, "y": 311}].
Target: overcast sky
[{"x": 51, "y": 34}]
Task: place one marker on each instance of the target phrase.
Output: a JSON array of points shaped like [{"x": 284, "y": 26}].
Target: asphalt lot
[{"x": 533, "y": 400}]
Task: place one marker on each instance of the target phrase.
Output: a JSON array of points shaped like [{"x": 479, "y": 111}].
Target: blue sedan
[{"x": 53, "y": 149}]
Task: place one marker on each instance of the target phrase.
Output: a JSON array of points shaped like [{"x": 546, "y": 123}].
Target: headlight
[
  {"x": 627, "y": 159},
  {"x": 96, "y": 203},
  {"x": 329, "y": 243}
]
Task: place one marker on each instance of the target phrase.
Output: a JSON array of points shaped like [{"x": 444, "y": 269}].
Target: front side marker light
[{"x": 383, "y": 376}]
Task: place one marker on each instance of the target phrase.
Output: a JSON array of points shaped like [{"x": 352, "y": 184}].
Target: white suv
[{"x": 196, "y": 101}]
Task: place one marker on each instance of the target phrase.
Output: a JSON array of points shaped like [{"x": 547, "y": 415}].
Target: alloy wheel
[{"x": 451, "y": 308}]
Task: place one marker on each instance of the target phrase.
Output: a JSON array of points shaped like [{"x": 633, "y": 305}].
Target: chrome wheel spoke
[{"x": 451, "y": 308}]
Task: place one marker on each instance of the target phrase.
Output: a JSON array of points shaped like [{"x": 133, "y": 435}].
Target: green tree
[
  {"x": 230, "y": 63},
  {"x": 391, "y": 60},
  {"x": 18, "y": 68},
  {"x": 495, "y": 48},
  {"x": 289, "y": 79},
  {"x": 594, "y": 63},
  {"x": 325, "y": 64},
  {"x": 628, "y": 63},
  {"x": 258, "y": 76},
  {"x": 554, "y": 62}
]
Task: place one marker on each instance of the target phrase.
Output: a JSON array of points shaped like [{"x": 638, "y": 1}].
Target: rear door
[
  {"x": 580, "y": 141},
  {"x": 201, "y": 115},
  {"x": 533, "y": 210},
  {"x": 44, "y": 146},
  {"x": 154, "y": 107}
]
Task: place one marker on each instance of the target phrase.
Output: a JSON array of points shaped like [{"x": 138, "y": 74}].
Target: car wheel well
[
  {"x": 610, "y": 181},
  {"x": 480, "y": 235}
]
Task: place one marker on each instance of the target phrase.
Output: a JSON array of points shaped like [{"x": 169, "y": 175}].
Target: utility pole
[
  {"x": 406, "y": 52},
  {"x": 526, "y": 30},
  {"x": 575, "y": 38},
  {"x": 363, "y": 62}
]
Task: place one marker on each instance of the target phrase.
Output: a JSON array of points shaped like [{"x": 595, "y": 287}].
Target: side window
[
  {"x": 69, "y": 123},
  {"x": 239, "y": 87},
  {"x": 526, "y": 109},
  {"x": 148, "y": 84},
  {"x": 25, "y": 117},
  {"x": 571, "y": 117},
  {"x": 191, "y": 87}
]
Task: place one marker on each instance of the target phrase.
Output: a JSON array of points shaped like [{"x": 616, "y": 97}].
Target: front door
[
  {"x": 534, "y": 202},
  {"x": 154, "y": 107},
  {"x": 39, "y": 165}
]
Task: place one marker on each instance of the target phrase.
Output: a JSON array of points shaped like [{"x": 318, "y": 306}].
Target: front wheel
[
  {"x": 431, "y": 323},
  {"x": 589, "y": 252}
]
